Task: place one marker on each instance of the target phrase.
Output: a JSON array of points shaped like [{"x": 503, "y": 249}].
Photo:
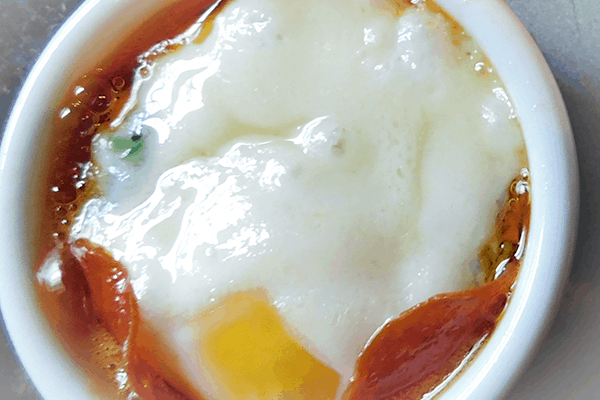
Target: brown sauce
[
  {"x": 96, "y": 315},
  {"x": 413, "y": 354}
]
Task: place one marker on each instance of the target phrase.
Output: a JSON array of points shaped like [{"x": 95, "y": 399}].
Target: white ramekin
[{"x": 97, "y": 25}]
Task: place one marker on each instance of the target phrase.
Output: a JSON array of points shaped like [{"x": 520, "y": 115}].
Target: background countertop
[{"x": 568, "y": 33}]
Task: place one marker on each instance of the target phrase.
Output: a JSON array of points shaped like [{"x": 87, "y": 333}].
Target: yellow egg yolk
[{"x": 255, "y": 357}]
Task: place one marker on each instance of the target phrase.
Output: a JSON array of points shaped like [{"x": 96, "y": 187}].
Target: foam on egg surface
[{"x": 341, "y": 158}]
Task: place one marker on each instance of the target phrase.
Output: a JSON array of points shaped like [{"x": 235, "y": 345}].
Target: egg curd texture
[{"x": 339, "y": 158}]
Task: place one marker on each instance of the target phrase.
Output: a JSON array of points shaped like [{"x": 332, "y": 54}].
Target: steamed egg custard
[{"x": 292, "y": 178}]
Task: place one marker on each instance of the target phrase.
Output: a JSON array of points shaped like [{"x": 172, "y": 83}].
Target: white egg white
[{"x": 342, "y": 158}]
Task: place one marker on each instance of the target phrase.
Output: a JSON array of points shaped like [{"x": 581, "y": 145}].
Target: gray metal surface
[{"x": 568, "y": 33}]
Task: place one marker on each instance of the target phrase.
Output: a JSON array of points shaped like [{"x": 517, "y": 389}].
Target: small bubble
[
  {"x": 64, "y": 112},
  {"x": 481, "y": 69},
  {"x": 65, "y": 194},
  {"x": 85, "y": 123},
  {"x": 522, "y": 187},
  {"x": 524, "y": 173},
  {"x": 145, "y": 72},
  {"x": 101, "y": 103},
  {"x": 118, "y": 83},
  {"x": 104, "y": 118}
]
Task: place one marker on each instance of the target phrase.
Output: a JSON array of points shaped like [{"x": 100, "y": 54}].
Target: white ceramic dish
[{"x": 82, "y": 41}]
